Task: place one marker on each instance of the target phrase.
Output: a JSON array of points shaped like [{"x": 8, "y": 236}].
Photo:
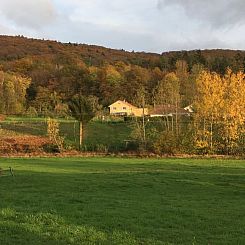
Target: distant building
[
  {"x": 168, "y": 110},
  {"x": 189, "y": 108},
  {"x": 123, "y": 108}
]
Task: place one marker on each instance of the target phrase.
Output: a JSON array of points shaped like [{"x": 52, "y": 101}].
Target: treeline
[
  {"x": 60, "y": 71},
  {"x": 45, "y": 77},
  {"x": 217, "y": 125}
]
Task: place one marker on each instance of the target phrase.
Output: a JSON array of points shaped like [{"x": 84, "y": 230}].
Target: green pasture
[
  {"x": 122, "y": 201},
  {"x": 106, "y": 136},
  {"x": 98, "y": 136}
]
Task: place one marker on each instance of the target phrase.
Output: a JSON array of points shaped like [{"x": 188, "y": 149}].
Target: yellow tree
[
  {"x": 208, "y": 103},
  {"x": 53, "y": 130},
  {"x": 168, "y": 92},
  {"x": 220, "y": 102},
  {"x": 110, "y": 83},
  {"x": 233, "y": 113},
  {"x": 182, "y": 74},
  {"x": 13, "y": 93}
]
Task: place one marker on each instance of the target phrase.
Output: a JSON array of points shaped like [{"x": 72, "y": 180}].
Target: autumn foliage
[
  {"x": 220, "y": 111},
  {"x": 52, "y": 79}
]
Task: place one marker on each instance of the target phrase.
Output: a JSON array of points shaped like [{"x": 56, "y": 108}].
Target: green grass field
[
  {"x": 98, "y": 136},
  {"x": 106, "y": 136},
  {"x": 122, "y": 201}
]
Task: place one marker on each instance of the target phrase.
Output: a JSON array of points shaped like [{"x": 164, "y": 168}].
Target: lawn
[{"x": 122, "y": 201}]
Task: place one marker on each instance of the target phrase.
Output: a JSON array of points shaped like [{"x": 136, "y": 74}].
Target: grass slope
[
  {"x": 122, "y": 201},
  {"x": 106, "y": 136},
  {"x": 97, "y": 136}
]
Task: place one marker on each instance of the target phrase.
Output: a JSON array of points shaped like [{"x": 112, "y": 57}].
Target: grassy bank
[{"x": 103, "y": 137}]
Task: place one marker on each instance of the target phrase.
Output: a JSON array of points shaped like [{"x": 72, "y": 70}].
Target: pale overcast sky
[{"x": 140, "y": 25}]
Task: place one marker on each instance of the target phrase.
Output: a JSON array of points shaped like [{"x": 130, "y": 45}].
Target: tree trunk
[
  {"x": 144, "y": 133},
  {"x": 74, "y": 133},
  {"x": 176, "y": 118},
  {"x": 167, "y": 122},
  {"x": 80, "y": 134},
  {"x": 211, "y": 133},
  {"x": 172, "y": 118}
]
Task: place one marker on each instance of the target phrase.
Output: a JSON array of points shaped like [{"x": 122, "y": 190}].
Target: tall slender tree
[{"x": 83, "y": 109}]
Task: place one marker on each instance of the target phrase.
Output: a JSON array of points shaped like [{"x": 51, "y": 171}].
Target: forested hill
[
  {"x": 59, "y": 71},
  {"x": 12, "y": 48},
  {"x": 19, "y": 47}
]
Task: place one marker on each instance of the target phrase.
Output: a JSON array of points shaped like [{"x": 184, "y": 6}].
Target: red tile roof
[{"x": 166, "y": 109}]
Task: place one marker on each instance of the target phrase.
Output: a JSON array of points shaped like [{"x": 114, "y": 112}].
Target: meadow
[
  {"x": 122, "y": 201},
  {"x": 98, "y": 136}
]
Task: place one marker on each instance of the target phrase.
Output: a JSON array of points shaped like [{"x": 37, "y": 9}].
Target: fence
[
  {"x": 37, "y": 128},
  {"x": 106, "y": 136},
  {"x": 98, "y": 136}
]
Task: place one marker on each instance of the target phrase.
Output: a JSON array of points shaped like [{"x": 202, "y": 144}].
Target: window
[
  {"x": 114, "y": 108},
  {"x": 124, "y": 108}
]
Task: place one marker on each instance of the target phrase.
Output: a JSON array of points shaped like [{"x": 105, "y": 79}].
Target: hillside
[
  {"x": 12, "y": 48},
  {"x": 19, "y": 47},
  {"x": 67, "y": 69}
]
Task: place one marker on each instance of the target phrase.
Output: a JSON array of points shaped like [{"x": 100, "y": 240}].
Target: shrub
[
  {"x": 166, "y": 143},
  {"x": 53, "y": 133},
  {"x": 2, "y": 117},
  {"x": 51, "y": 148}
]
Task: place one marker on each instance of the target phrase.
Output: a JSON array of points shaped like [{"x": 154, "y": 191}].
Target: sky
[{"x": 139, "y": 25}]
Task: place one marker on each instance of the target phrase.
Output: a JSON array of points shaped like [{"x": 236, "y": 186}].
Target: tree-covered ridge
[
  {"x": 13, "y": 48},
  {"x": 70, "y": 69}
]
